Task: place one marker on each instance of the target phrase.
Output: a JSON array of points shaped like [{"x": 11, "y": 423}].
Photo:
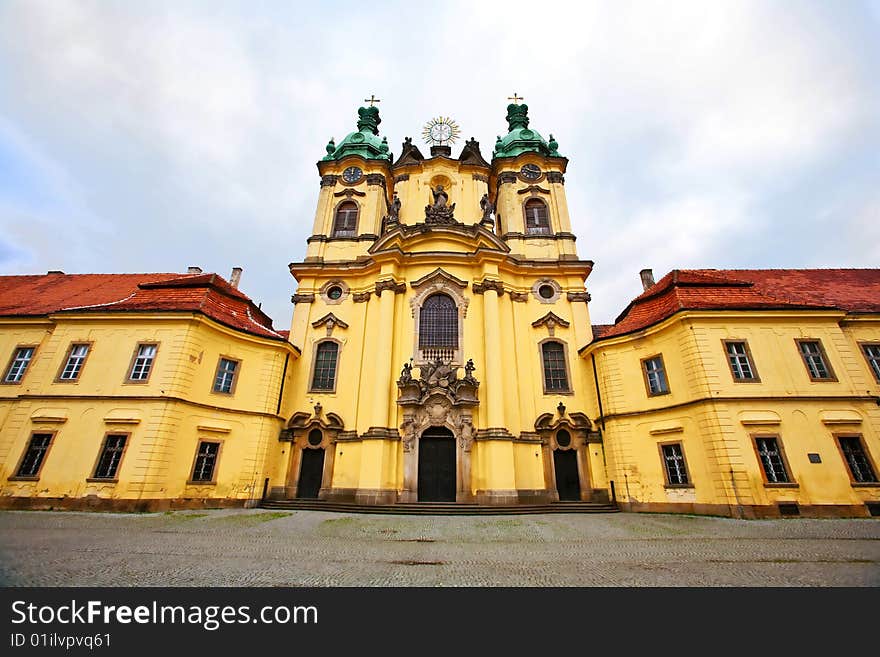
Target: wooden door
[
  {"x": 437, "y": 466},
  {"x": 568, "y": 483},
  {"x": 311, "y": 472}
]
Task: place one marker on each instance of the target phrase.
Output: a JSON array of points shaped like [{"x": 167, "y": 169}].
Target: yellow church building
[{"x": 441, "y": 352}]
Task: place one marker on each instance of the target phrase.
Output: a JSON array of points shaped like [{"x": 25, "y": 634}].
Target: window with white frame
[
  {"x": 814, "y": 358},
  {"x": 655, "y": 375},
  {"x": 772, "y": 462},
  {"x": 224, "y": 381},
  {"x": 143, "y": 362},
  {"x": 740, "y": 360},
  {"x": 75, "y": 359},
  {"x": 674, "y": 465},
  {"x": 872, "y": 354},
  {"x": 19, "y": 364}
]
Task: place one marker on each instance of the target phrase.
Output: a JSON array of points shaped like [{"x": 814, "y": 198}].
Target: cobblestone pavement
[{"x": 311, "y": 548}]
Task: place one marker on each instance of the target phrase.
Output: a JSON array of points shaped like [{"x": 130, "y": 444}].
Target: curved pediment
[{"x": 422, "y": 238}]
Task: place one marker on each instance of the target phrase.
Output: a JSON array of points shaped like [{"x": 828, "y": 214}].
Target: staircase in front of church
[{"x": 439, "y": 508}]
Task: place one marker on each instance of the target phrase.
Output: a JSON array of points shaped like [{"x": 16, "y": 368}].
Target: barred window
[
  {"x": 814, "y": 359},
  {"x": 655, "y": 375},
  {"x": 740, "y": 361},
  {"x": 34, "y": 455},
  {"x": 555, "y": 372},
  {"x": 438, "y": 322},
  {"x": 111, "y": 454},
  {"x": 224, "y": 381},
  {"x": 324, "y": 377},
  {"x": 75, "y": 359},
  {"x": 345, "y": 222},
  {"x": 872, "y": 353},
  {"x": 673, "y": 460},
  {"x": 537, "y": 217},
  {"x": 771, "y": 460},
  {"x": 18, "y": 365},
  {"x": 856, "y": 459},
  {"x": 206, "y": 460},
  {"x": 143, "y": 362}
]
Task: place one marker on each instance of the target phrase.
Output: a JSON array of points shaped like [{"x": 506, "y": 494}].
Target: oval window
[
  {"x": 315, "y": 437},
  {"x": 563, "y": 438}
]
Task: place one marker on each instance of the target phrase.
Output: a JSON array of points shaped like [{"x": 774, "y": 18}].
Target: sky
[{"x": 154, "y": 136}]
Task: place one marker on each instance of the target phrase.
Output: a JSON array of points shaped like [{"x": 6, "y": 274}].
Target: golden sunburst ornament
[{"x": 440, "y": 130}]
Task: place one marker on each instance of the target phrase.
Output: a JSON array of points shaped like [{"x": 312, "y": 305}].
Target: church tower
[{"x": 440, "y": 309}]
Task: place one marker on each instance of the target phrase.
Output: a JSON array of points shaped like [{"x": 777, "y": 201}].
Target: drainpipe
[{"x": 283, "y": 377}]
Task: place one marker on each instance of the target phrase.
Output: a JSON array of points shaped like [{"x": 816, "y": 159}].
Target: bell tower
[
  {"x": 527, "y": 174},
  {"x": 355, "y": 179}
]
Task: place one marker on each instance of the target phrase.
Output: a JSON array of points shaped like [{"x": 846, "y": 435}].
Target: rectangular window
[
  {"x": 34, "y": 455},
  {"x": 857, "y": 460},
  {"x": 19, "y": 364},
  {"x": 770, "y": 454},
  {"x": 674, "y": 465},
  {"x": 555, "y": 372},
  {"x": 872, "y": 353},
  {"x": 224, "y": 381},
  {"x": 816, "y": 361},
  {"x": 740, "y": 360},
  {"x": 75, "y": 359},
  {"x": 324, "y": 377},
  {"x": 143, "y": 362},
  {"x": 206, "y": 460},
  {"x": 655, "y": 375},
  {"x": 111, "y": 455}
]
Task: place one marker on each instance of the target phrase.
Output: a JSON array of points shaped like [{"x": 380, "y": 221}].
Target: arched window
[
  {"x": 438, "y": 328},
  {"x": 537, "y": 217},
  {"x": 345, "y": 222},
  {"x": 555, "y": 370},
  {"x": 326, "y": 358}
]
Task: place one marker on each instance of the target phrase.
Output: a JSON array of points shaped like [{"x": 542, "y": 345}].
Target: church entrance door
[
  {"x": 311, "y": 472},
  {"x": 568, "y": 484},
  {"x": 437, "y": 465}
]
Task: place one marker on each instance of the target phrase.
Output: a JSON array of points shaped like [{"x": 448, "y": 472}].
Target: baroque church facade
[{"x": 441, "y": 350}]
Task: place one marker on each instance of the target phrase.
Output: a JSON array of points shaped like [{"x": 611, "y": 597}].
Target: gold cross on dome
[
  {"x": 372, "y": 99},
  {"x": 515, "y": 98}
]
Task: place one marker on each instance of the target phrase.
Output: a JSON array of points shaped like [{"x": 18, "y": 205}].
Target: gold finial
[
  {"x": 372, "y": 100},
  {"x": 515, "y": 98}
]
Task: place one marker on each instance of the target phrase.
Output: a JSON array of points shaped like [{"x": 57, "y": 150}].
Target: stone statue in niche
[
  {"x": 465, "y": 433},
  {"x": 487, "y": 208},
  {"x": 408, "y": 433},
  {"x": 440, "y": 212},
  {"x": 394, "y": 210}
]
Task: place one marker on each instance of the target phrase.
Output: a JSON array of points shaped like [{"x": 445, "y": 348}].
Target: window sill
[
  {"x": 861, "y": 484},
  {"x": 201, "y": 483},
  {"x": 550, "y": 393},
  {"x": 679, "y": 486},
  {"x": 135, "y": 383},
  {"x": 99, "y": 480},
  {"x": 658, "y": 394},
  {"x": 747, "y": 380},
  {"x": 768, "y": 484},
  {"x": 18, "y": 478}
]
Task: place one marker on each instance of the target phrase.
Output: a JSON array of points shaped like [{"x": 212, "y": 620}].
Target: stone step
[{"x": 439, "y": 508}]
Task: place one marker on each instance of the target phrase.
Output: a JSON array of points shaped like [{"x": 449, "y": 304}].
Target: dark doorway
[
  {"x": 437, "y": 466},
  {"x": 568, "y": 484},
  {"x": 311, "y": 472}
]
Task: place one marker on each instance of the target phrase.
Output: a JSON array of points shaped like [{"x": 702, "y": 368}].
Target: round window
[
  {"x": 546, "y": 291},
  {"x": 334, "y": 292},
  {"x": 563, "y": 438},
  {"x": 315, "y": 437}
]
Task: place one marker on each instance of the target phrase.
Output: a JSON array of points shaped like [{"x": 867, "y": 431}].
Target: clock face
[
  {"x": 352, "y": 174},
  {"x": 531, "y": 171}
]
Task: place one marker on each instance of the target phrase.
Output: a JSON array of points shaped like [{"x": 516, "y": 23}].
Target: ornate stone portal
[{"x": 438, "y": 398}]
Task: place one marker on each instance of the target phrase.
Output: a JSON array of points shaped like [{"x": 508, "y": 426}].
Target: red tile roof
[
  {"x": 849, "y": 290},
  {"x": 209, "y": 294}
]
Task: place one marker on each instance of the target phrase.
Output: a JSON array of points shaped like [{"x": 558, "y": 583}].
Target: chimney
[
  {"x": 235, "y": 276},
  {"x": 193, "y": 270},
  {"x": 647, "y": 276}
]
